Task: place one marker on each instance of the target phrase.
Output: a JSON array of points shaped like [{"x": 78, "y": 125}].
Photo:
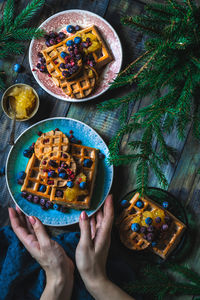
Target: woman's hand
[
  {"x": 92, "y": 250},
  {"x": 58, "y": 267}
]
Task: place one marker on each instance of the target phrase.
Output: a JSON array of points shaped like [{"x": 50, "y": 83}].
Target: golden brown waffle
[
  {"x": 32, "y": 182},
  {"x": 51, "y": 141},
  {"x": 52, "y": 54},
  {"x": 81, "y": 86},
  {"x": 59, "y": 158},
  {"x": 80, "y": 153},
  {"x": 133, "y": 240}
]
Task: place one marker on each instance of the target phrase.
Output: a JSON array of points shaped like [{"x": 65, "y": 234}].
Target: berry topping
[
  {"x": 82, "y": 185},
  {"x": 143, "y": 229},
  {"x": 53, "y": 163},
  {"x": 61, "y": 35},
  {"x": 28, "y": 153},
  {"x": 153, "y": 244},
  {"x": 42, "y": 188},
  {"x": 50, "y": 182},
  {"x": 167, "y": 219},
  {"x": 56, "y": 206},
  {"x": 70, "y": 184},
  {"x": 52, "y": 173},
  {"x": 52, "y": 42},
  {"x": 87, "y": 163},
  {"x": 150, "y": 228},
  {"x": 77, "y": 28},
  {"x": 39, "y": 54},
  {"x": 65, "y": 74},
  {"x": 48, "y": 204},
  {"x": 70, "y": 43},
  {"x": 77, "y": 40},
  {"x": 20, "y": 181},
  {"x": 140, "y": 204},
  {"x": 42, "y": 201},
  {"x": 36, "y": 199},
  {"x": 70, "y": 28},
  {"x": 17, "y": 68},
  {"x": 29, "y": 197},
  {"x": 135, "y": 227},
  {"x": 63, "y": 54},
  {"x": 59, "y": 193},
  {"x": 165, "y": 204},
  {"x": 63, "y": 174},
  {"x": 150, "y": 237},
  {"x": 39, "y": 133},
  {"x": 158, "y": 219},
  {"x": 64, "y": 165},
  {"x": 148, "y": 221},
  {"x": 165, "y": 227},
  {"x": 124, "y": 203},
  {"x": 21, "y": 175},
  {"x": 24, "y": 194}
]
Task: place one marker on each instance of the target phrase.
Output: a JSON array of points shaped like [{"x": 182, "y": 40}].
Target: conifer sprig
[
  {"x": 166, "y": 72},
  {"x": 13, "y": 32}
]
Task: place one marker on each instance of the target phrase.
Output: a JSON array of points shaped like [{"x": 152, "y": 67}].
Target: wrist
[{"x": 95, "y": 287}]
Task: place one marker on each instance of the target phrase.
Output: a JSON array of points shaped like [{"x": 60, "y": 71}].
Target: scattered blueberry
[
  {"x": 52, "y": 173},
  {"x": 47, "y": 43},
  {"x": 153, "y": 244},
  {"x": 36, "y": 199},
  {"x": 48, "y": 204},
  {"x": 165, "y": 204},
  {"x": 62, "y": 66},
  {"x": 82, "y": 185},
  {"x": 124, "y": 203},
  {"x": 42, "y": 188},
  {"x": 24, "y": 194},
  {"x": 70, "y": 43},
  {"x": 158, "y": 219},
  {"x": 17, "y": 68},
  {"x": 135, "y": 227},
  {"x": 2, "y": 171},
  {"x": 143, "y": 229},
  {"x": 29, "y": 197},
  {"x": 70, "y": 28},
  {"x": 42, "y": 202},
  {"x": 150, "y": 228},
  {"x": 165, "y": 227},
  {"x": 87, "y": 163},
  {"x": 70, "y": 184},
  {"x": 77, "y": 28},
  {"x": 63, "y": 174},
  {"x": 56, "y": 206},
  {"x": 140, "y": 204},
  {"x": 63, "y": 54},
  {"x": 61, "y": 35},
  {"x": 148, "y": 221},
  {"x": 150, "y": 237},
  {"x": 77, "y": 40},
  {"x": 28, "y": 153},
  {"x": 21, "y": 175},
  {"x": 20, "y": 181}
]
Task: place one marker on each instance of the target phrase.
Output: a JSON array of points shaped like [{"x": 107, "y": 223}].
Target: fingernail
[
  {"x": 84, "y": 216},
  {"x": 10, "y": 211},
  {"x": 32, "y": 220}
]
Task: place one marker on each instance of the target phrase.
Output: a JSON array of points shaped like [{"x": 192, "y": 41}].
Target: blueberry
[
  {"x": 52, "y": 173},
  {"x": 101, "y": 155},
  {"x": 56, "y": 206},
  {"x": 77, "y": 27},
  {"x": 165, "y": 204},
  {"x": 29, "y": 197},
  {"x": 61, "y": 35},
  {"x": 59, "y": 193},
  {"x": 48, "y": 204},
  {"x": 70, "y": 43},
  {"x": 124, "y": 203},
  {"x": 24, "y": 194},
  {"x": 63, "y": 54},
  {"x": 63, "y": 174},
  {"x": 158, "y": 219},
  {"x": 70, "y": 28},
  {"x": 21, "y": 175},
  {"x": 139, "y": 204},
  {"x": 148, "y": 221},
  {"x": 168, "y": 220},
  {"x": 62, "y": 66},
  {"x": 52, "y": 42},
  {"x": 36, "y": 199},
  {"x": 67, "y": 66},
  {"x": 150, "y": 228},
  {"x": 70, "y": 184},
  {"x": 42, "y": 202},
  {"x": 38, "y": 65},
  {"x": 150, "y": 237},
  {"x": 20, "y": 181},
  {"x": 153, "y": 244},
  {"x": 82, "y": 185},
  {"x": 42, "y": 188},
  {"x": 143, "y": 229},
  {"x": 135, "y": 227},
  {"x": 17, "y": 68},
  {"x": 165, "y": 227},
  {"x": 64, "y": 165},
  {"x": 87, "y": 163},
  {"x": 42, "y": 60},
  {"x": 65, "y": 73},
  {"x": 40, "y": 54},
  {"x": 2, "y": 171},
  {"x": 47, "y": 43},
  {"x": 77, "y": 40},
  {"x": 52, "y": 34}
]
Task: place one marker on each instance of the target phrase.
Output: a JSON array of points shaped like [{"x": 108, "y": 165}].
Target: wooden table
[{"x": 182, "y": 175}]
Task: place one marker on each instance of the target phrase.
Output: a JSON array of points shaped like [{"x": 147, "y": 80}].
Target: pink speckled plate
[{"x": 85, "y": 19}]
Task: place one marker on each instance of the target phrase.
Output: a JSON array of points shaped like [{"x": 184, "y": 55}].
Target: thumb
[
  {"x": 40, "y": 232},
  {"x": 85, "y": 230}
]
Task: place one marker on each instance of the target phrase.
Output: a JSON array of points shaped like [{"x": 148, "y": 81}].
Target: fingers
[
  {"x": 85, "y": 229},
  {"x": 40, "y": 232},
  {"x": 108, "y": 210},
  {"x": 93, "y": 226}
]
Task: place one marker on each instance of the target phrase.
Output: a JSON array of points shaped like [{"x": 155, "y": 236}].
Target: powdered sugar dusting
[{"x": 84, "y": 19}]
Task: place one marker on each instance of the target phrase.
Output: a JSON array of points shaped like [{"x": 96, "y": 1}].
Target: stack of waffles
[
  {"x": 161, "y": 237},
  {"x": 61, "y": 172},
  {"x": 80, "y": 80}
]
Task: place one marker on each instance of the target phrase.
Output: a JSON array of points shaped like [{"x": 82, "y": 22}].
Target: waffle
[
  {"x": 80, "y": 153},
  {"x": 52, "y": 54},
  {"x": 58, "y": 157},
  {"x": 51, "y": 141},
  {"x": 133, "y": 240},
  {"x": 32, "y": 181},
  {"x": 81, "y": 86}
]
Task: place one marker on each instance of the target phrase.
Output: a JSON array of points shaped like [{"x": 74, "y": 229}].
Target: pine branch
[
  {"x": 2, "y": 83},
  {"x": 8, "y": 14},
  {"x": 23, "y": 34},
  {"x": 28, "y": 12}
]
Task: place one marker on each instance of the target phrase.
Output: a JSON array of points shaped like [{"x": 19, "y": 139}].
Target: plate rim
[
  {"x": 87, "y": 98},
  {"x": 11, "y": 149}
]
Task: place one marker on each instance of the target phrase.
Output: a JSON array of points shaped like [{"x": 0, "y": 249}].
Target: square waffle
[
  {"x": 53, "y": 58},
  {"x": 135, "y": 241},
  {"x": 80, "y": 153}
]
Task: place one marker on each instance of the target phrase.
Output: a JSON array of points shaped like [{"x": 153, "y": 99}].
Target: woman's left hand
[{"x": 58, "y": 267}]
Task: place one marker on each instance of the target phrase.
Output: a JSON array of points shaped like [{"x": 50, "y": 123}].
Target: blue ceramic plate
[{"x": 16, "y": 162}]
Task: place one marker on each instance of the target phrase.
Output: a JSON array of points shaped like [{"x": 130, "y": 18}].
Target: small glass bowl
[{"x": 5, "y": 102}]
